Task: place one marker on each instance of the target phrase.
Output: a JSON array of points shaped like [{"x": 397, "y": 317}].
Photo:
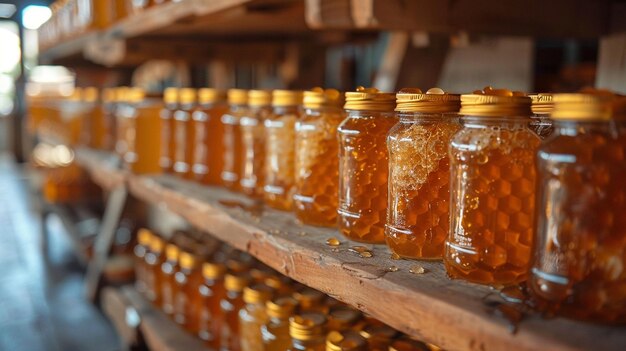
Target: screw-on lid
[
  {"x": 286, "y": 98},
  {"x": 156, "y": 244},
  {"x": 170, "y": 95},
  {"x": 237, "y": 96},
  {"x": 259, "y": 98},
  {"x": 495, "y": 103},
  {"x": 370, "y": 99},
  {"x": 187, "y": 96},
  {"x": 435, "y": 100},
  {"x": 281, "y": 307},
  {"x": 542, "y": 103},
  {"x": 144, "y": 236},
  {"x": 213, "y": 270},
  {"x": 211, "y": 96},
  {"x": 187, "y": 260},
  {"x": 307, "y": 326},
  {"x": 257, "y": 293},
  {"x": 172, "y": 252},
  {"x": 318, "y": 97},
  {"x": 236, "y": 282},
  {"x": 342, "y": 317},
  {"x": 90, "y": 94},
  {"x": 593, "y": 105}
]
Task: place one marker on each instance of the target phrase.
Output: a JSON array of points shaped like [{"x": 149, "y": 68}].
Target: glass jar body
[
  {"x": 541, "y": 124},
  {"x": 154, "y": 277},
  {"x": 185, "y": 306},
  {"x": 317, "y": 166},
  {"x": 492, "y": 184},
  {"x": 363, "y": 172},
  {"x": 140, "y": 252},
  {"x": 211, "y": 293},
  {"x": 229, "y": 331},
  {"x": 232, "y": 161},
  {"x": 185, "y": 142},
  {"x": 253, "y": 149},
  {"x": 168, "y": 284},
  {"x": 208, "y": 162},
  {"x": 251, "y": 318},
  {"x": 581, "y": 226},
  {"x": 275, "y": 334},
  {"x": 168, "y": 138}
]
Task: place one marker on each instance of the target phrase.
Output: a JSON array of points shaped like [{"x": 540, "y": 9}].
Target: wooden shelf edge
[{"x": 103, "y": 167}]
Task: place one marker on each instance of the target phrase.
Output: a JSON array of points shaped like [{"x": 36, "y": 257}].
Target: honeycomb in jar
[{"x": 280, "y": 161}]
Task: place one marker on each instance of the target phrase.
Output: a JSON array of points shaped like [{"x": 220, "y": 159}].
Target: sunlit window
[{"x": 34, "y": 16}]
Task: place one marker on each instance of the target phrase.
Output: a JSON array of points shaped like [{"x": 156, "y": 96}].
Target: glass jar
[
  {"x": 342, "y": 317},
  {"x": 233, "y": 164},
  {"x": 310, "y": 300},
  {"x": 540, "y": 121},
  {"x": 307, "y": 332},
  {"x": 141, "y": 114},
  {"x": 492, "y": 182},
  {"x": 317, "y": 166},
  {"x": 230, "y": 306},
  {"x": 253, "y": 316},
  {"x": 154, "y": 260},
  {"x": 208, "y": 156},
  {"x": 348, "y": 340},
  {"x": 419, "y": 173},
  {"x": 280, "y": 144},
  {"x": 168, "y": 283},
  {"x": 578, "y": 266},
  {"x": 363, "y": 164},
  {"x": 212, "y": 291},
  {"x": 123, "y": 130},
  {"x": 144, "y": 237},
  {"x": 253, "y": 142},
  {"x": 184, "y": 133},
  {"x": 168, "y": 129},
  {"x": 188, "y": 279},
  {"x": 275, "y": 332}
]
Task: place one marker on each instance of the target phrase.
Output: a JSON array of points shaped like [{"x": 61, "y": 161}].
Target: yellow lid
[
  {"x": 108, "y": 94},
  {"x": 407, "y": 344},
  {"x": 236, "y": 282},
  {"x": 170, "y": 95},
  {"x": 257, "y": 293},
  {"x": 172, "y": 252},
  {"x": 259, "y": 98},
  {"x": 308, "y": 298},
  {"x": 495, "y": 103},
  {"x": 90, "y": 94},
  {"x": 274, "y": 282},
  {"x": 590, "y": 106},
  {"x": 345, "y": 341},
  {"x": 211, "y": 96},
  {"x": 121, "y": 94},
  {"x": 237, "y": 96},
  {"x": 342, "y": 317},
  {"x": 435, "y": 100},
  {"x": 135, "y": 95},
  {"x": 77, "y": 94},
  {"x": 187, "y": 260},
  {"x": 370, "y": 99},
  {"x": 213, "y": 270},
  {"x": 144, "y": 236},
  {"x": 286, "y": 98},
  {"x": 318, "y": 97},
  {"x": 542, "y": 103},
  {"x": 281, "y": 307},
  {"x": 187, "y": 96},
  {"x": 156, "y": 244},
  {"x": 307, "y": 326}
]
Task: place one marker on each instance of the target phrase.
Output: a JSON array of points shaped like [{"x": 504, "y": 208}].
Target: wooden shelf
[
  {"x": 454, "y": 315},
  {"x": 103, "y": 167}
]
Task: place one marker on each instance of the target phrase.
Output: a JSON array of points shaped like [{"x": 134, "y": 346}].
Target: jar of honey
[
  {"x": 308, "y": 332},
  {"x": 122, "y": 121},
  {"x": 184, "y": 133},
  {"x": 169, "y": 268},
  {"x": 342, "y": 317},
  {"x": 348, "y": 340},
  {"x": 492, "y": 184},
  {"x": 540, "y": 121},
  {"x": 317, "y": 165},
  {"x": 209, "y": 149},
  {"x": 253, "y": 142},
  {"x": 419, "y": 173},
  {"x": 188, "y": 280},
  {"x": 142, "y": 132},
  {"x": 363, "y": 164},
  {"x": 168, "y": 131},
  {"x": 144, "y": 238},
  {"x": 310, "y": 300},
  {"x": 212, "y": 291},
  {"x": 154, "y": 260},
  {"x": 275, "y": 332},
  {"x": 231, "y": 123},
  {"x": 280, "y": 144},
  {"x": 253, "y": 316},
  {"x": 579, "y": 265},
  {"x": 230, "y": 306}
]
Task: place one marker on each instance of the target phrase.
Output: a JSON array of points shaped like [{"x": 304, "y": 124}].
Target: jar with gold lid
[
  {"x": 579, "y": 261},
  {"x": 253, "y": 316},
  {"x": 540, "y": 121},
  {"x": 109, "y": 105},
  {"x": 275, "y": 332},
  {"x": 253, "y": 142},
  {"x": 144, "y": 237},
  {"x": 348, "y": 340},
  {"x": 211, "y": 292},
  {"x": 187, "y": 280},
  {"x": 419, "y": 172},
  {"x": 142, "y": 131},
  {"x": 122, "y": 121},
  {"x": 342, "y": 317},
  {"x": 317, "y": 166},
  {"x": 280, "y": 144},
  {"x": 231, "y": 121},
  {"x": 168, "y": 282},
  {"x": 154, "y": 259},
  {"x": 307, "y": 332},
  {"x": 230, "y": 306},
  {"x": 492, "y": 185},
  {"x": 310, "y": 300},
  {"x": 209, "y": 132},
  {"x": 184, "y": 135},
  {"x": 168, "y": 131},
  {"x": 363, "y": 164}
]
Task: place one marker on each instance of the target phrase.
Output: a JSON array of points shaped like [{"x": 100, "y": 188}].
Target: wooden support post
[{"x": 612, "y": 63}]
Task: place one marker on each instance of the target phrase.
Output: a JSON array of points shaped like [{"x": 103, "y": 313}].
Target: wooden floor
[{"x": 42, "y": 304}]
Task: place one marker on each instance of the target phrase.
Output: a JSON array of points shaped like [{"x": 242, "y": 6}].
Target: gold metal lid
[
  {"x": 318, "y": 97},
  {"x": 307, "y": 298},
  {"x": 307, "y": 326},
  {"x": 495, "y": 103},
  {"x": 144, "y": 236},
  {"x": 172, "y": 252},
  {"x": 370, "y": 99},
  {"x": 406, "y": 344},
  {"x": 235, "y": 282},
  {"x": 237, "y": 96},
  {"x": 108, "y": 94},
  {"x": 257, "y": 293},
  {"x": 121, "y": 94},
  {"x": 135, "y": 95},
  {"x": 435, "y": 100},
  {"x": 286, "y": 98},
  {"x": 170, "y": 95},
  {"x": 213, "y": 270},
  {"x": 342, "y": 317},
  {"x": 542, "y": 103},
  {"x": 211, "y": 96},
  {"x": 593, "y": 105},
  {"x": 281, "y": 307},
  {"x": 259, "y": 98},
  {"x": 187, "y": 260},
  {"x": 345, "y": 341},
  {"x": 187, "y": 96},
  {"x": 90, "y": 94},
  {"x": 156, "y": 244}
]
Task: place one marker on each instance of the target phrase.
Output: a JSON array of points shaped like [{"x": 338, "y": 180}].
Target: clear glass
[
  {"x": 208, "y": 161},
  {"x": 579, "y": 258},
  {"x": 418, "y": 216},
  {"x": 317, "y": 166},
  {"x": 251, "y": 318},
  {"x": 253, "y": 140},
  {"x": 315, "y": 344},
  {"x": 275, "y": 335},
  {"x": 185, "y": 141},
  {"x": 229, "y": 332},
  {"x": 168, "y": 138},
  {"x": 154, "y": 260},
  {"x": 492, "y": 184},
  {"x": 363, "y": 171},
  {"x": 187, "y": 284},
  {"x": 212, "y": 291},
  {"x": 280, "y": 144},
  {"x": 140, "y": 252},
  {"x": 168, "y": 283},
  {"x": 541, "y": 124},
  {"x": 233, "y": 163}
]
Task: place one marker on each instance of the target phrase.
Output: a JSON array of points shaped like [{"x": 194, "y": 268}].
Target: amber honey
[
  {"x": 363, "y": 164},
  {"x": 317, "y": 165},
  {"x": 280, "y": 143},
  {"x": 184, "y": 133},
  {"x": 211, "y": 292},
  {"x": 378, "y": 335},
  {"x": 188, "y": 279},
  {"x": 540, "y": 121},
  {"x": 578, "y": 269},
  {"x": 253, "y": 316},
  {"x": 275, "y": 332},
  {"x": 144, "y": 237},
  {"x": 209, "y": 147},
  {"x": 231, "y": 123},
  {"x": 348, "y": 340},
  {"x": 168, "y": 129},
  {"x": 141, "y": 132},
  {"x": 230, "y": 306},
  {"x": 419, "y": 173},
  {"x": 253, "y": 142},
  {"x": 108, "y": 108},
  {"x": 308, "y": 332},
  {"x": 154, "y": 259},
  {"x": 123, "y": 130},
  {"x": 492, "y": 190},
  {"x": 168, "y": 281}
]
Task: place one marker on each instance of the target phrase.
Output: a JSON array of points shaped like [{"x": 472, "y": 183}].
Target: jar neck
[
  {"x": 322, "y": 109},
  {"x": 366, "y": 113},
  {"x": 427, "y": 117},
  {"x": 486, "y": 121},
  {"x": 286, "y": 110},
  {"x": 574, "y": 128}
]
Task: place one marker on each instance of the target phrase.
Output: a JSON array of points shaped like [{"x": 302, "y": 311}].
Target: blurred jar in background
[
  {"x": 233, "y": 163},
  {"x": 209, "y": 144},
  {"x": 253, "y": 140}
]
